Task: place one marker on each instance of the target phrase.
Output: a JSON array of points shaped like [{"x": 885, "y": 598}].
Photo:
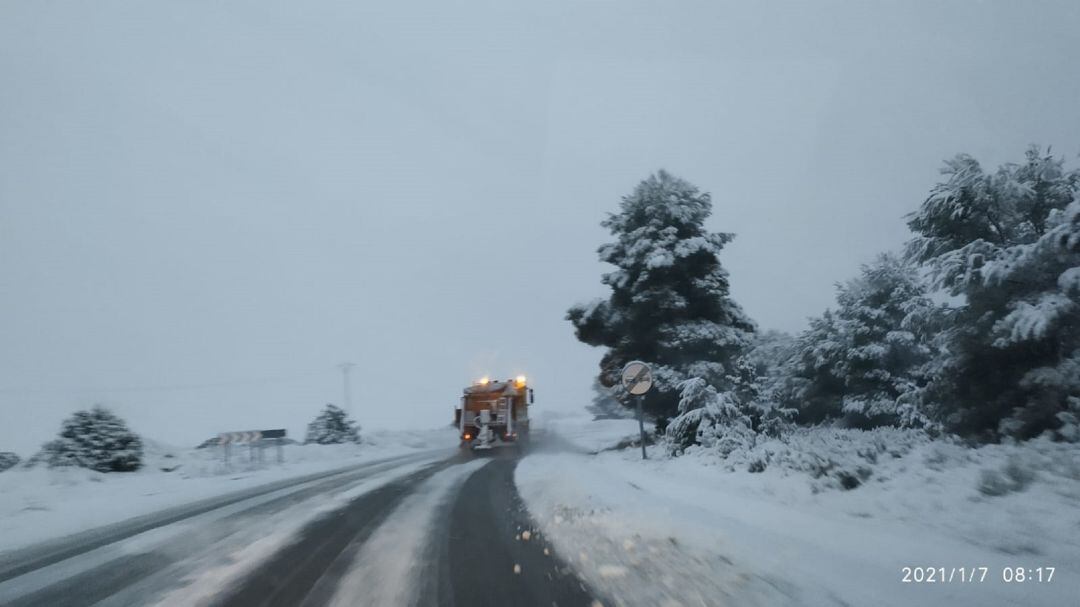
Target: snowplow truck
[{"x": 494, "y": 413}]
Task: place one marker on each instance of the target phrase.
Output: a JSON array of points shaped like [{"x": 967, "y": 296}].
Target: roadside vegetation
[
  {"x": 99, "y": 440},
  {"x": 332, "y": 426},
  {"x": 8, "y": 460},
  {"x": 96, "y": 439},
  {"x": 970, "y": 333}
]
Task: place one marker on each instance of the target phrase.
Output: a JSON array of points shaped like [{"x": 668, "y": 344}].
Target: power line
[{"x": 167, "y": 387}]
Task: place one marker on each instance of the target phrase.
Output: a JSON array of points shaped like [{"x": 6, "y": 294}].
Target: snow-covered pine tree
[
  {"x": 669, "y": 302},
  {"x": 708, "y": 418},
  {"x": 759, "y": 379},
  {"x": 864, "y": 362},
  {"x": 332, "y": 426},
  {"x": 95, "y": 439},
  {"x": 769, "y": 352},
  {"x": 8, "y": 460},
  {"x": 1009, "y": 243},
  {"x": 749, "y": 391}
]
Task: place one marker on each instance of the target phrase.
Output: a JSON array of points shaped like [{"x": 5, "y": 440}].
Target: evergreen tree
[
  {"x": 332, "y": 426},
  {"x": 769, "y": 353},
  {"x": 95, "y": 439},
  {"x": 669, "y": 302},
  {"x": 865, "y": 361},
  {"x": 1008, "y": 242},
  {"x": 760, "y": 377},
  {"x": 8, "y": 460}
]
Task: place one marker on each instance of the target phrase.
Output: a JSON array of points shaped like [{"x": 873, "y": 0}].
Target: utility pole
[{"x": 345, "y": 369}]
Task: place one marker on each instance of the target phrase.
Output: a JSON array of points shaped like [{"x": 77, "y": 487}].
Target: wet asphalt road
[
  {"x": 470, "y": 559},
  {"x": 473, "y": 555}
]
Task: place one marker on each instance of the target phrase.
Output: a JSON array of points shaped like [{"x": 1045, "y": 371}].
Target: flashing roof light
[
  {"x": 485, "y": 380},
  {"x": 520, "y": 380}
]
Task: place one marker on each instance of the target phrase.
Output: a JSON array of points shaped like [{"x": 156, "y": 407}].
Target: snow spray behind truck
[{"x": 494, "y": 413}]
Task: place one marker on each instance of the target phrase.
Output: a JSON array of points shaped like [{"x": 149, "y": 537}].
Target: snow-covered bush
[
  {"x": 710, "y": 419},
  {"x": 332, "y": 426},
  {"x": 1008, "y": 242},
  {"x": 669, "y": 302},
  {"x": 1015, "y": 475},
  {"x": 95, "y": 439},
  {"x": 1070, "y": 420},
  {"x": 832, "y": 458},
  {"x": 8, "y": 460}
]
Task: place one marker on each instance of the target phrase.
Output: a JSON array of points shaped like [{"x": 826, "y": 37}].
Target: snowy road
[{"x": 424, "y": 529}]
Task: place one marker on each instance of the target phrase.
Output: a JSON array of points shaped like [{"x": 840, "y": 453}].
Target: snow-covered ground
[
  {"x": 583, "y": 434},
  {"x": 214, "y": 549},
  {"x": 704, "y": 530},
  {"x": 39, "y": 503}
]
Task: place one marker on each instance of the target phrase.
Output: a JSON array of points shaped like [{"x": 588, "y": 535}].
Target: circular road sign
[{"x": 637, "y": 377}]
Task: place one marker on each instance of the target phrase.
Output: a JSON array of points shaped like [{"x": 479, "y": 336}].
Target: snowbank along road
[{"x": 423, "y": 529}]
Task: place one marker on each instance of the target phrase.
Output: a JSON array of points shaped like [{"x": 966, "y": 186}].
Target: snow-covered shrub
[
  {"x": 669, "y": 304},
  {"x": 942, "y": 454},
  {"x": 95, "y": 439},
  {"x": 1019, "y": 472},
  {"x": 1070, "y": 420},
  {"x": 710, "y": 419},
  {"x": 1015, "y": 475},
  {"x": 993, "y": 483},
  {"x": 833, "y": 458},
  {"x": 850, "y": 479},
  {"x": 8, "y": 460},
  {"x": 332, "y": 426},
  {"x": 1008, "y": 242}
]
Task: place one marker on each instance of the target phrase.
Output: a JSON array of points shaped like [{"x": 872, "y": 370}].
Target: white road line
[{"x": 386, "y": 568}]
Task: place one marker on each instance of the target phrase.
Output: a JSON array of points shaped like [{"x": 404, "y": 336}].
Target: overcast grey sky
[{"x": 206, "y": 205}]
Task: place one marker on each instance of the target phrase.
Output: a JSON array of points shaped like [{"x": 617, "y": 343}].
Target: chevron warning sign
[{"x": 250, "y": 436}]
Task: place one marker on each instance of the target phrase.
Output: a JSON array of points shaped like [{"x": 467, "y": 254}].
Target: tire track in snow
[
  {"x": 27, "y": 559},
  {"x": 220, "y": 563},
  {"x": 387, "y": 566},
  {"x": 288, "y": 575},
  {"x": 131, "y": 570}
]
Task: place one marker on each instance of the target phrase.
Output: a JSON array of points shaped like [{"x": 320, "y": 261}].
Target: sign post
[
  {"x": 637, "y": 379},
  {"x": 277, "y": 436}
]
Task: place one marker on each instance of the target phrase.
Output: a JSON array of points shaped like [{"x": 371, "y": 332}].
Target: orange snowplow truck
[{"x": 494, "y": 413}]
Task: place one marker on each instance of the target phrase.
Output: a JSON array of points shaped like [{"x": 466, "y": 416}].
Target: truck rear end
[{"x": 494, "y": 413}]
